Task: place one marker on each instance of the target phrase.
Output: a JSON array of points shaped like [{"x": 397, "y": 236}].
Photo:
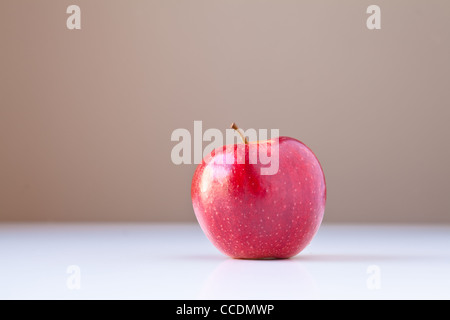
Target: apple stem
[{"x": 235, "y": 127}]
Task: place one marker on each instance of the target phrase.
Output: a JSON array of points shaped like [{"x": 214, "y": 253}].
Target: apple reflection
[{"x": 259, "y": 279}]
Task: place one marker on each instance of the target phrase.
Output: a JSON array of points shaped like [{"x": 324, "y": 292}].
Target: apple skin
[{"x": 247, "y": 215}]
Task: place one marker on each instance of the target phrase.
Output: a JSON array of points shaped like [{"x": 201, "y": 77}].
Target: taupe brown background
[{"x": 86, "y": 115}]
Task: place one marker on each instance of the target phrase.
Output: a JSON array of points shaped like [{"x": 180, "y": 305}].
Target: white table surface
[{"x": 160, "y": 261}]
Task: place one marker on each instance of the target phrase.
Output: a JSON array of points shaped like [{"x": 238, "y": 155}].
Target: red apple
[{"x": 248, "y": 215}]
